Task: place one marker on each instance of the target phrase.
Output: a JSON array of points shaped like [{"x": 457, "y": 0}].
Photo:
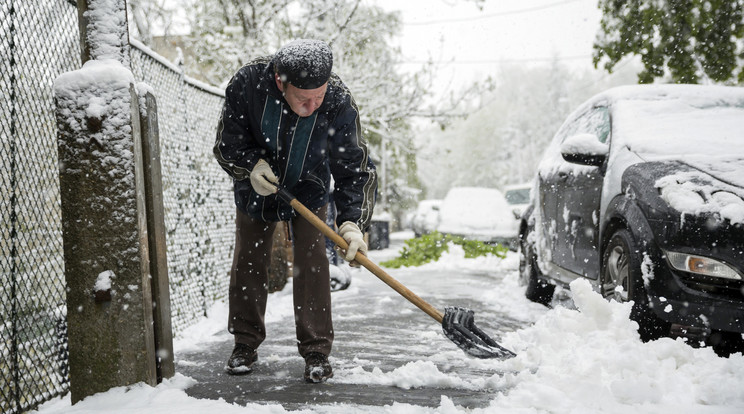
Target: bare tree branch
[{"x": 346, "y": 23}]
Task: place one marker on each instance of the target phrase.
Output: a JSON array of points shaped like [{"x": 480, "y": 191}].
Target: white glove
[
  {"x": 262, "y": 178},
  {"x": 351, "y": 233}
]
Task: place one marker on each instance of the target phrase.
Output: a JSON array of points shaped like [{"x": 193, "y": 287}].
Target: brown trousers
[{"x": 311, "y": 284}]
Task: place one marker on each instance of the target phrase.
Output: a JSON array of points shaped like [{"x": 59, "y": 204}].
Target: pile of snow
[
  {"x": 415, "y": 374},
  {"x": 685, "y": 195},
  {"x": 591, "y": 360},
  {"x": 454, "y": 259},
  {"x": 584, "y": 144},
  {"x": 103, "y": 281},
  {"x": 93, "y": 88}
]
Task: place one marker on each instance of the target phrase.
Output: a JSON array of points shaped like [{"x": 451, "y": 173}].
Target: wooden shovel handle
[{"x": 362, "y": 259}]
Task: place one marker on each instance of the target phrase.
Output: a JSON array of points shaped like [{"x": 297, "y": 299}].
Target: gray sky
[
  {"x": 505, "y": 31},
  {"x": 472, "y": 44}
]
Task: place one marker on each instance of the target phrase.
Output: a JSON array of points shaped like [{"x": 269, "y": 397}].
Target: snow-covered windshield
[
  {"x": 704, "y": 130},
  {"x": 679, "y": 128},
  {"x": 518, "y": 196},
  {"x": 702, "y": 127}
]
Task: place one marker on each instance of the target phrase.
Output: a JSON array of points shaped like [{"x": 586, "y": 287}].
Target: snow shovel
[{"x": 457, "y": 323}]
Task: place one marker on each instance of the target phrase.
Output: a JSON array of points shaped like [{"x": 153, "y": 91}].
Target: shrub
[{"x": 429, "y": 248}]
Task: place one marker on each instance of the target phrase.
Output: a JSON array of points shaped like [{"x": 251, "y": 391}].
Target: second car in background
[
  {"x": 518, "y": 197},
  {"x": 476, "y": 213},
  {"x": 426, "y": 217}
]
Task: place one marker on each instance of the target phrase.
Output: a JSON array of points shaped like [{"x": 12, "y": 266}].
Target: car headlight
[{"x": 702, "y": 265}]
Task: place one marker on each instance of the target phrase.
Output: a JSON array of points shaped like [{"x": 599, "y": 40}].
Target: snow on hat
[{"x": 305, "y": 63}]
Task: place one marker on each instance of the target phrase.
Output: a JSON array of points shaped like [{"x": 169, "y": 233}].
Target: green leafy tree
[{"x": 688, "y": 40}]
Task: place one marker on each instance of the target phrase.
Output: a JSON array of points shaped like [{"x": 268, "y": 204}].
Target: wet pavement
[{"x": 376, "y": 329}]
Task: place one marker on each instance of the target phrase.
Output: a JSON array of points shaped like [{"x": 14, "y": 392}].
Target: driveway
[{"x": 386, "y": 350}]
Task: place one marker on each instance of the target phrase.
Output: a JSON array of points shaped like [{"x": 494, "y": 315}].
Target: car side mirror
[
  {"x": 517, "y": 213},
  {"x": 584, "y": 149}
]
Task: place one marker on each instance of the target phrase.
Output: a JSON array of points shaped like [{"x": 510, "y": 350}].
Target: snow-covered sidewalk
[{"x": 586, "y": 359}]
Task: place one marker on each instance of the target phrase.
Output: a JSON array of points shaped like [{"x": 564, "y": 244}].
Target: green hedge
[{"x": 429, "y": 248}]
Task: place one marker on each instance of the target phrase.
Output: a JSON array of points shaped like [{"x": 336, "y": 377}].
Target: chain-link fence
[
  {"x": 199, "y": 206},
  {"x": 39, "y": 39}
]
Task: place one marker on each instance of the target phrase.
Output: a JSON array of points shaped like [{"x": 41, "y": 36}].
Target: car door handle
[{"x": 563, "y": 176}]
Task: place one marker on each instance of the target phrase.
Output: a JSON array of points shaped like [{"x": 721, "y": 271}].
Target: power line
[
  {"x": 490, "y": 15},
  {"x": 492, "y": 61}
]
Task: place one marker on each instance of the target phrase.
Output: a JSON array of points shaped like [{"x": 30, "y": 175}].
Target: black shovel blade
[{"x": 459, "y": 327}]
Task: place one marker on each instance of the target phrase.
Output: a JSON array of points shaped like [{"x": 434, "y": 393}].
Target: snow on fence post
[{"x": 111, "y": 326}]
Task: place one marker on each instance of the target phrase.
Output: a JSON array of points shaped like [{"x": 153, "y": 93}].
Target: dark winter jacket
[{"x": 257, "y": 123}]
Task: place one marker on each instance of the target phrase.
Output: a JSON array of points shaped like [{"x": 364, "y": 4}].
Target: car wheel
[
  {"x": 536, "y": 289},
  {"x": 622, "y": 280}
]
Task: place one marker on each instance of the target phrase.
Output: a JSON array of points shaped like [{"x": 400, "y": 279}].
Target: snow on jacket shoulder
[{"x": 257, "y": 122}]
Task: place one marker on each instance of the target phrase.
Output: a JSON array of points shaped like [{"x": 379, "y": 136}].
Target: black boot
[
  {"x": 317, "y": 367},
  {"x": 241, "y": 360}
]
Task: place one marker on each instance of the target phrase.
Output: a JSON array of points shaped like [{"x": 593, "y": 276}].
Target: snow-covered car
[
  {"x": 641, "y": 191},
  {"x": 477, "y": 213},
  {"x": 518, "y": 197},
  {"x": 426, "y": 217}
]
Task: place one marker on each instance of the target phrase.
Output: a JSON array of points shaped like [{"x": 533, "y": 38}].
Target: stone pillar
[{"x": 104, "y": 212}]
